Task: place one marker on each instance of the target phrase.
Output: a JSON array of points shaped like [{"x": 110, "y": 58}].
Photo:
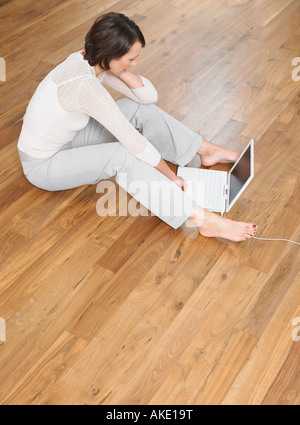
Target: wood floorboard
[{"x": 118, "y": 309}]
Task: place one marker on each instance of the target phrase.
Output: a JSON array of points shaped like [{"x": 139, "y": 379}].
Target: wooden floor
[{"x": 126, "y": 310}]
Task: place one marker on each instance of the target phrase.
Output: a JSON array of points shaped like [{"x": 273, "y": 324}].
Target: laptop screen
[{"x": 240, "y": 174}]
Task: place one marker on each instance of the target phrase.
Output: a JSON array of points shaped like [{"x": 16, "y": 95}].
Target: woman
[{"x": 74, "y": 133}]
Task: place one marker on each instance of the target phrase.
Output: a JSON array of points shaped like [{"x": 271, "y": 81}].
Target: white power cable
[{"x": 268, "y": 239}]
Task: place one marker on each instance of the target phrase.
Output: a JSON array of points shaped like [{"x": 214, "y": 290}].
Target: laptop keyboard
[
  {"x": 213, "y": 183},
  {"x": 205, "y": 187}
]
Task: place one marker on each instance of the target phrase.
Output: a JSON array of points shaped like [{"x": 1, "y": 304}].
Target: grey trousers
[{"x": 94, "y": 155}]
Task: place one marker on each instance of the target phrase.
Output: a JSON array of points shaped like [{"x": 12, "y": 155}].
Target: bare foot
[
  {"x": 212, "y": 154},
  {"x": 213, "y": 226}
]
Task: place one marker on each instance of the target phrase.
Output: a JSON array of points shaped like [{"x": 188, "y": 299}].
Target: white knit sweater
[{"x": 66, "y": 99}]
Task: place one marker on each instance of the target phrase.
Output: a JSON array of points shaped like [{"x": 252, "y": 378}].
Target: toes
[{"x": 251, "y": 229}]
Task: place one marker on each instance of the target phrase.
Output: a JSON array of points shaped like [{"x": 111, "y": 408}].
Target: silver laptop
[{"x": 218, "y": 190}]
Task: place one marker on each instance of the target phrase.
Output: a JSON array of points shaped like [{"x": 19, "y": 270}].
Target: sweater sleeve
[
  {"x": 145, "y": 94},
  {"x": 93, "y": 99}
]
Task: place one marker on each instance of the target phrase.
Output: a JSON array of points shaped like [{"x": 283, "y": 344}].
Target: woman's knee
[
  {"x": 122, "y": 160},
  {"x": 128, "y": 107}
]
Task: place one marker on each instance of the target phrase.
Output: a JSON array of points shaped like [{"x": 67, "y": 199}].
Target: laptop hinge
[{"x": 226, "y": 190}]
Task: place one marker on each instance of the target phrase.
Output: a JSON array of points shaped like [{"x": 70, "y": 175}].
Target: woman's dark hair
[{"x": 111, "y": 37}]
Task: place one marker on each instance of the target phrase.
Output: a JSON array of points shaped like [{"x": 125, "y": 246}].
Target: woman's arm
[
  {"x": 95, "y": 101},
  {"x": 135, "y": 87},
  {"x": 163, "y": 167},
  {"x": 134, "y": 81},
  {"x": 131, "y": 80}
]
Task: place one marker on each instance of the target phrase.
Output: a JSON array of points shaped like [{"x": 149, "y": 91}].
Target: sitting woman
[{"x": 75, "y": 134}]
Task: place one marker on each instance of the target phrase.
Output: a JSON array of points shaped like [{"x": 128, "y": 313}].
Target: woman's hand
[
  {"x": 165, "y": 169},
  {"x": 181, "y": 183}
]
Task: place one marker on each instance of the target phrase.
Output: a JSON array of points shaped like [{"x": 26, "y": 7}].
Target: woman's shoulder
[
  {"x": 76, "y": 60},
  {"x": 73, "y": 67}
]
